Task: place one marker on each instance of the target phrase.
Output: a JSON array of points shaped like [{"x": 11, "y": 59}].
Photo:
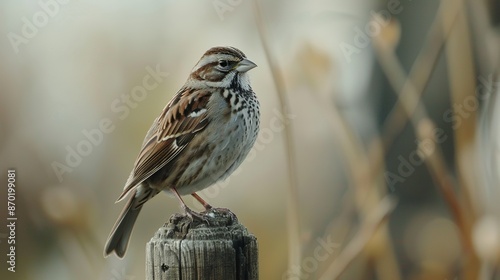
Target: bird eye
[{"x": 223, "y": 63}]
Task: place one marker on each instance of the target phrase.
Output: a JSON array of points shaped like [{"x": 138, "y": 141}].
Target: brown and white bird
[{"x": 201, "y": 136}]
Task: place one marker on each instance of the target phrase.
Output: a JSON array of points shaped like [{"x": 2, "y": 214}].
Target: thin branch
[
  {"x": 419, "y": 76},
  {"x": 462, "y": 84},
  {"x": 365, "y": 189},
  {"x": 293, "y": 216},
  {"x": 441, "y": 175},
  {"x": 408, "y": 96}
]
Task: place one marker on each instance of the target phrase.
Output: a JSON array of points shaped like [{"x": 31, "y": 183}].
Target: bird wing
[{"x": 183, "y": 117}]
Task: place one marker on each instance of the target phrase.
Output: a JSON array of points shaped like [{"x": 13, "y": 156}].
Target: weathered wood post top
[{"x": 218, "y": 247}]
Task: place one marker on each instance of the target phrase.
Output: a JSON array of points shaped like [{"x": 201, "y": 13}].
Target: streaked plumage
[{"x": 202, "y": 135}]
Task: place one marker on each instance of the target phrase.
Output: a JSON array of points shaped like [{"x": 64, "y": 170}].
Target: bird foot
[{"x": 193, "y": 215}]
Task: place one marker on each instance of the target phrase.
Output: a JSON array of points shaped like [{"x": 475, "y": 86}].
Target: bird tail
[{"x": 120, "y": 234}]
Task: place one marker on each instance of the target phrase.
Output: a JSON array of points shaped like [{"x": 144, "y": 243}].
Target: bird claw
[{"x": 193, "y": 215}]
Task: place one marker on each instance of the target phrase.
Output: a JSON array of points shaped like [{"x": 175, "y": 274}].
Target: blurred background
[{"x": 379, "y": 145}]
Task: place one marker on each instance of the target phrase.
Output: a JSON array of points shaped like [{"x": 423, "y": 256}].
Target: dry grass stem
[
  {"x": 409, "y": 96},
  {"x": 293, "y": 214},
  {"x": 419, "y": 76}
]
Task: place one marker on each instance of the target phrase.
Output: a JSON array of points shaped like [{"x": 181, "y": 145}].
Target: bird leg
[
  {"x": 188, "y": 210},
  {"x": 203, "y": 202}
]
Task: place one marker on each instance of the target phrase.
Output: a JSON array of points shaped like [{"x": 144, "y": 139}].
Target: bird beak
[{"x": 245, "y": 65}]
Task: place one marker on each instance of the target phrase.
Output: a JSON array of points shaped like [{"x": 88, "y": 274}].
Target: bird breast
[{"x": 223, "y": 145}]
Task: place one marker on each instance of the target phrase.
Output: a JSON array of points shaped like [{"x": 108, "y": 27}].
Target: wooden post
[{"x": 218, "y": 248}]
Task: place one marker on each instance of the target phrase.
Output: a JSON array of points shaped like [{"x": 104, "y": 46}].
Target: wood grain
[{"x": 217, "y": 248}]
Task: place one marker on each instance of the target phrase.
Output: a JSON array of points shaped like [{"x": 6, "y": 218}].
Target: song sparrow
[{"x": 201, "y": 136}]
